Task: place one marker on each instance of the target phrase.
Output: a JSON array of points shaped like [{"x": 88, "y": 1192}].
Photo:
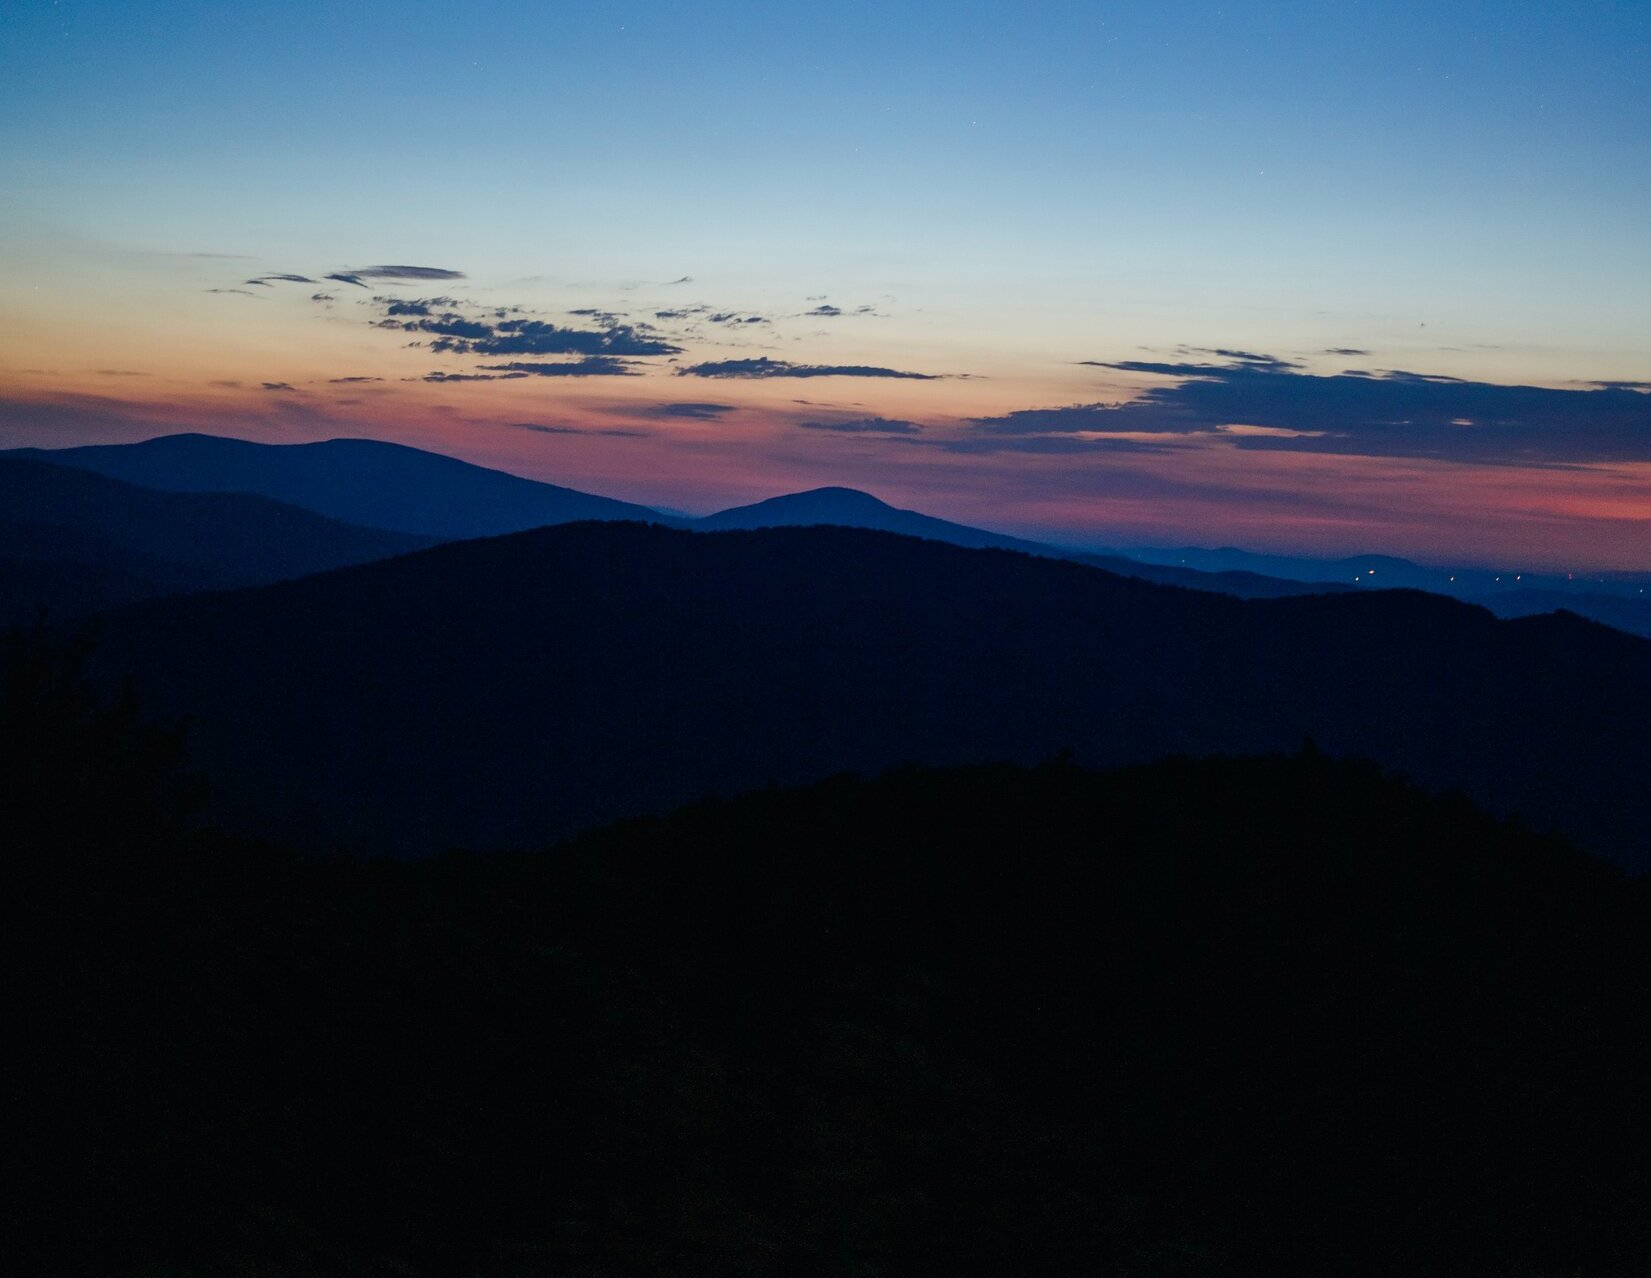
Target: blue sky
[{"x": 1459, "y": 189}]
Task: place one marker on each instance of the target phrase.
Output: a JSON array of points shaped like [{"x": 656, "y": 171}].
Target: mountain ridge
[
  {"x": 625, "y": 667},
  {"x": 73, "y": 541},
  {"x": 381, "y": 484},
  {"x": 497, "y": 502},
  {"x": 370, "y": 482}
]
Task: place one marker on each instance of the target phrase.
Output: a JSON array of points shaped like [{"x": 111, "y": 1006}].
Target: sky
[{"x": 1298, "y": 277}]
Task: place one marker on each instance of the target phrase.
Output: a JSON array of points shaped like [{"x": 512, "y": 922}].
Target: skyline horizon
[
  {"x": 1300, "y": 278},
  {"x": 990, "y": 525}
]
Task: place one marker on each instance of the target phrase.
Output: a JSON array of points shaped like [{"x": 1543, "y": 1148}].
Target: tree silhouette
[{"x": 83, "y": 777}]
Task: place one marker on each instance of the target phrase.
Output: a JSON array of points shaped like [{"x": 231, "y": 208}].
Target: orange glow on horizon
[{"x": 1584, "y": 517}]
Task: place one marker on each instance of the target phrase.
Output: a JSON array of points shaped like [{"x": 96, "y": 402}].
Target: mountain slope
[
  {"x": 515, "y": 688},
  {"x": 73, "y": 542},
  {"x": 406, "y": 489},
  {"x": 1245, "y": 585},
  {"x": 851, "y": 508},
  {"x": 1616, "y": 599},
  {"x": 390, "y": 486},
  {"x": 360, "y": 481},
  {"x": 1631, "y": 615}
]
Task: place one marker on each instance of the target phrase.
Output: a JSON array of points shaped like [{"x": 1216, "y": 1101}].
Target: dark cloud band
[
  {"x": 763, "y": 367},
  {"x": 692, "y": 411},
  {"x": 409, "y": 273},
  {"x": 592, "y": 366},
  {"x": 1388, "y": 413}
]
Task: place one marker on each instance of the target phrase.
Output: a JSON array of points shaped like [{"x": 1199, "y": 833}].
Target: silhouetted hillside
[
  {"x": 1273, "y": 1016},
  {"x": 391, "y": 486},
  {"x": 1613, "y": 598},
  {"x": 407, "y": 489},
  {"x": 1245, "y": 585},
  {"x": 512, "y": 689},
  {"x": 362, "y": 481},
  {"x": 850, "y": 508},
  {"x": 73, "y": 542},
  {"x": 1632, "y": 615}
]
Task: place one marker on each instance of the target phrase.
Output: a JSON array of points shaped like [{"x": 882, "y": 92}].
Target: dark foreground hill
[
  {"x": 361, "y": 481},
  {"x": 509, "y": 690},
  {"x": 1272, "y": 1016},
  {"x": 73, "y": 542}
]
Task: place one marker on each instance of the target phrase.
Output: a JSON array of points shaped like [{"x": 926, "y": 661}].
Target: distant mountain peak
[
  {"x": 832, "y": 495},
  {"x": 853, "y": 508}
]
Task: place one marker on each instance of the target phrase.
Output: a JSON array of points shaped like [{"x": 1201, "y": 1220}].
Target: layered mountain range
[{"x": 365, "y": 687}]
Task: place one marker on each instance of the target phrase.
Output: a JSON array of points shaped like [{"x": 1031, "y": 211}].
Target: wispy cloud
[
  {"x": 865, "y": 426},
  {"x": 591, "y": 366},
  {"x": 1047, "y": 445},
  {"x": 827, "y": 311},
  {"x": 698, "y": 412},
  {"x": 416, "y": 305},
  {"x": 460, "y": 334},
  {"x": 1098, "y": 418},
  {"x": 1237, "y": 361},
  {"x": 763, "y": 367},
  {"x": 1263, "y": 402},
  {"x": 540, "y": 428},
  {"x": 405, "y": 273}
]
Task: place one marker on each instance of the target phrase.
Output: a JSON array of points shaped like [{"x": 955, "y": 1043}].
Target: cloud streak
[
  {"x": 698, "y": 412},
  {"x": 405, "y": 273},
  {"x": 591, "y": 366},
  {"x": 1262, "y": 402},
  {"x": 539, "y": 428},
  {"x": 763, "y": 367},
  {"x": 865, "y": 426},
  {"x": 458, "y": 334}
]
